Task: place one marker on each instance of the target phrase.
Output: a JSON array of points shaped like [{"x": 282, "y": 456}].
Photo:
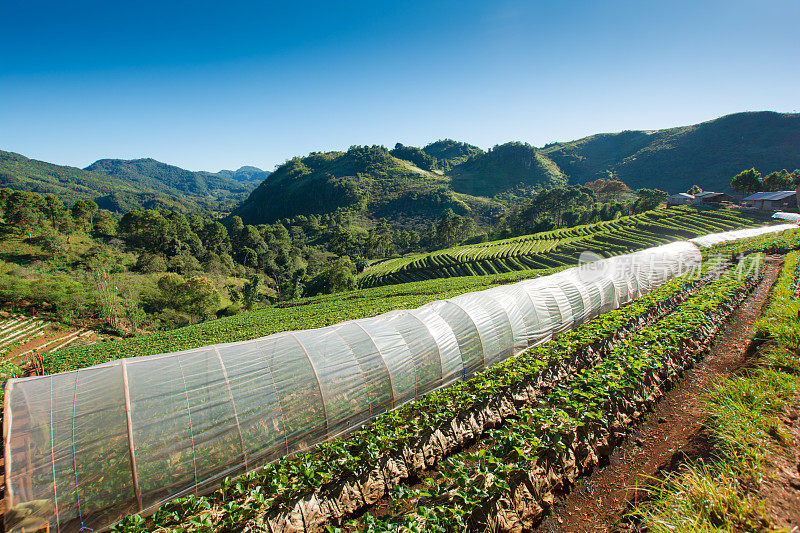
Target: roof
[
  {"x": 779, "y": 195},
  {"x": 709, "y": 194},
  {"x": 683, "y": 195}
]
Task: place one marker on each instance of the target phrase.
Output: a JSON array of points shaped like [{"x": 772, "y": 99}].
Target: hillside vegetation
[
  {"x": 169, "y": 179},
  {"x": 365, "y": 180},
  {"x": 318, "y": 311},
  {"x": 120, "y": 186},
  {"x": 709, "y": 154},
  {"x": 407, "y": 184}
]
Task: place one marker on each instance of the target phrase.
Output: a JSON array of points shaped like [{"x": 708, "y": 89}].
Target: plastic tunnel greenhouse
[{"x": 92, "y": 445}]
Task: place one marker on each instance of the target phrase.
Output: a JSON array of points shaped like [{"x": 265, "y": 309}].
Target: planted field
[
  {"x": 560, "y": 247},
  {"x": 24, "y": 340},
  {"x": 340, "y": 479},
  {"x": 564, "y": 399}
]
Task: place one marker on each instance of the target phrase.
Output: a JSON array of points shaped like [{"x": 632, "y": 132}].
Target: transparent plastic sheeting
[
  {"x": 713, "y": 239},
  {"x": 84, "y": 448},
  {"x": 794, "y": 217}
]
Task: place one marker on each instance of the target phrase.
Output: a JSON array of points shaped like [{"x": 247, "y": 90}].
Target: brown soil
[
  {"x": 780, "y": 487},
  {"x": 670, "y": 433}
]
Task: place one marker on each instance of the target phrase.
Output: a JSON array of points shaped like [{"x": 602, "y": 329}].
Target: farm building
[
  {"x": 682, "y": 198},
  {"x": 712, "y": 198},
  {"x": 772, "y": 201}
]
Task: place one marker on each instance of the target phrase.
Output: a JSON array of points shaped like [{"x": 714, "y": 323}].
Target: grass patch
[{"x": 743, "y": 416}]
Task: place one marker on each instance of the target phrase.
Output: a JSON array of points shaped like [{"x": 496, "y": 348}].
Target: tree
[
  {"x": 650, "y": 198},
  {"x": 695, "y": 190},
  {"x": 24, "y": 210},
  {"x": 607, "y": 190},
  {"x": 83, "y": 212},
  {"x": 778, "y": 181},
  {"x": 340, "y": 276},
  {"x": 747, "y": 182},
  {"x": 54, "y": 242},
  {"x": 57, "y": 214},
  {"x": 447, "y": 229},
  {"x": 379, "y": 240},
  {"x": 196, "y": 295},
  {"x": 202, "y": 298},
  {"x": 105, "y": 223},
  {"x": 250, "y": 291}
]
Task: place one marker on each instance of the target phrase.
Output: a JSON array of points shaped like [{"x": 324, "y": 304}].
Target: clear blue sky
[{"x": 212, "y": 85}]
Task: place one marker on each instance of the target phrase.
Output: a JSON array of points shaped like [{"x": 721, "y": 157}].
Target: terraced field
[
  {"x": 561, "y": 247},
  {"x": 23, "y": 338}
]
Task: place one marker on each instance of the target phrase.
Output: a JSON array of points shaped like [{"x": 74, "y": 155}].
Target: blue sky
[{"x": 212, "y": 85}]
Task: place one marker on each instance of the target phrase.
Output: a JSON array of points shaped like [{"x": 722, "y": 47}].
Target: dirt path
[{"x": 599, "y": 501}]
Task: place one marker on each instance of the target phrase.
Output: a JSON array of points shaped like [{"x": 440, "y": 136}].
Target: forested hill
[
  {"x": 169, "y": 179},
  {"x": 245, "y": 174},
  {"x": 120, "y": 186},
  {"x": 407, "y": 184},
  {"x": 708, "y": 154}
]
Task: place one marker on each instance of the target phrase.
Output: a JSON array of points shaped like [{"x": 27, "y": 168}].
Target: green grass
[
  {"x": 560, "y": 247},
  {"x": 743, "y": 417}
]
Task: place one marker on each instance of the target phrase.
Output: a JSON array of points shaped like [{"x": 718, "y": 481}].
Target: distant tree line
[
  {"x": 750, "y": 181},
  {"x": 576, "y": 205}
]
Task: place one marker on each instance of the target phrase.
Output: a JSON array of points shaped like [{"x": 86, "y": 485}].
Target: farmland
[
  {"x": 560, "y": 247},
  {"x": 319, "y": 311},
  {"x": 539, "y": 420}
]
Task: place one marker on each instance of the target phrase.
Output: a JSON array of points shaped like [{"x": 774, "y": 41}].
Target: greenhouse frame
[{"x": 87, "y": 447}]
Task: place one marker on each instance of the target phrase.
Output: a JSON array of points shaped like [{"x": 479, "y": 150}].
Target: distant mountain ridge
[
  {"x": 151, "y": 174},
  {"x": 122, "y": 185},
  {"x": 414, "y": 185},
  {"x": 245, "y": 174},
  {"x": 708, "y": 154}
]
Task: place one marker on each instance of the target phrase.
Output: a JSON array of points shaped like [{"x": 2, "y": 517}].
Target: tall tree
[
  {"x": 747, "y": 182},
  {"x": 778, "y": 181}
]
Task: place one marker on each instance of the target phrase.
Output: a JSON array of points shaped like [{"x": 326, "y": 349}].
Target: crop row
[
  {"x": 339, "y": 477},
  {"x": 560, "y": 247},
  {"x": 782, "y": 319},
  {"x": 507, "y": 483}
]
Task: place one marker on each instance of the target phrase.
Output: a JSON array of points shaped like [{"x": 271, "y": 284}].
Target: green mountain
[
  {"x": 449, "y": 153},
  {"x": 365, "y": 180},
  {"x": 121, "y": 186},
  {"x": 506, "y": 167},
  {"x": 374, "y": 182},
  {"x": 708, "y": 154},
  {"x": 71, "y": 184},
  {"x": 245, "y": 174},
  {"x": 150, "y": 174}
]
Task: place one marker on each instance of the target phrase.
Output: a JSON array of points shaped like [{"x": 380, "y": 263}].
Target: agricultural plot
[
  {"x": 322, "y": 311},
  {"x": 560, "y": 247},
  {"x": 560, "y": 406},
  {"x": 23, "y": 338},
  {"x": 335, "y": 480}
]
